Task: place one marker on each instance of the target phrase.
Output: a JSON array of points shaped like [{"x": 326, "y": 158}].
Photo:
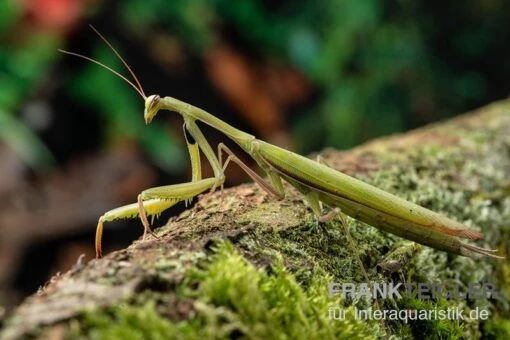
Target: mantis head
[{"x": 152, "y": 106}]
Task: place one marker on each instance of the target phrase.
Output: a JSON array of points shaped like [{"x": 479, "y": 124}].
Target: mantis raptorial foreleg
[
  {"x": 153, "y": 202},
  {"x": 195, "y": 141},
  {"x": 196, "y": 175},
  {"x": 176, "y": 193},
  {"x": 194, "y": 154}
]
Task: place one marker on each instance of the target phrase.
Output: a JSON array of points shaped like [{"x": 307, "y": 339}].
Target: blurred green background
[{"x": 301, "y": 74}]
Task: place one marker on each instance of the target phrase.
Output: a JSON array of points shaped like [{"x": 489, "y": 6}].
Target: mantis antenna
[{"x": 138, "y": 87}]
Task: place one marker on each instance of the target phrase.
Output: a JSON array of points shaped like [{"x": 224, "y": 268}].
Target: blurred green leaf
[
  {"x": 21, "y": 68},
  {"x": 10, "y": 12},
  {"x": 25, "y": 143},
  {"x": 192, "y": 20}
]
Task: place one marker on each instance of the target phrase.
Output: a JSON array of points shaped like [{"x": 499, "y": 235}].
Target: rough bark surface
[{"x": 251, "y": 266}]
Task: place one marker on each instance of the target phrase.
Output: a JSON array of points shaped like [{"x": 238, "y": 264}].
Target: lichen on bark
[{"x": 247, "y": 265}]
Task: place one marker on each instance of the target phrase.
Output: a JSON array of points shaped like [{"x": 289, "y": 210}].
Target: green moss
[
  {"x": 441, "y": 327},
  {"x": 497, "y": 328},
  {"x": 233, "y": 298},
  {"x": 249, "y": 302},
  {"x": 127, "y": 322}
]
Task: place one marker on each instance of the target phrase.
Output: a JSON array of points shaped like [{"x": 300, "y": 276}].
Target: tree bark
[{"x": 248, "y": 265}]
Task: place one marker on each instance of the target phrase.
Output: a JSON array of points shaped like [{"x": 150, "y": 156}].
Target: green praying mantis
[{"x": 318, "y": 183}]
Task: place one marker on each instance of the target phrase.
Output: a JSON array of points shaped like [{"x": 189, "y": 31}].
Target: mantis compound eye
[{"x": 151, "y": 107}]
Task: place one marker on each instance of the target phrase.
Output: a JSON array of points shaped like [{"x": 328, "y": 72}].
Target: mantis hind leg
[{"x": 311, "y": 197}]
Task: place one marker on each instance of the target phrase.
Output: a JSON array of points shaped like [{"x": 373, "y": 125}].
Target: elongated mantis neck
[{"x": 193, "y": 112}]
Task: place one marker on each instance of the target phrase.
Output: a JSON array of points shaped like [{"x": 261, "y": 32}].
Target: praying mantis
[{"x": 318, "y": 183}]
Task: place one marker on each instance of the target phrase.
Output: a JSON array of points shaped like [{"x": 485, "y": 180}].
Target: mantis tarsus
[{"x": 318, "y": 183}]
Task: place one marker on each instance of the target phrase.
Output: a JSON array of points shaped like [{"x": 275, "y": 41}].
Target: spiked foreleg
[
  {"x": 176, "y": 192},
  {"x": 153, "y": 207},
  {"x": 152, "y": 202}
]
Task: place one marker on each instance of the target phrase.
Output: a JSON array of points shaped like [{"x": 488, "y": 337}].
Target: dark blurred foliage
[{"x": 302, "y": 74}]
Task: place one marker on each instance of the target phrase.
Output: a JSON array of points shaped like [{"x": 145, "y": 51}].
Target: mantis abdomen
[{"x": 370, "y": 204}]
